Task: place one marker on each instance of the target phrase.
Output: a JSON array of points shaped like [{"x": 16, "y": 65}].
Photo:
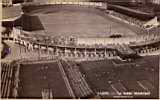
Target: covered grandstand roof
[
  {"x": 120, "y": 0},
  {"x": 126, "y": 0},
  {"x": 132, "y": 12}
]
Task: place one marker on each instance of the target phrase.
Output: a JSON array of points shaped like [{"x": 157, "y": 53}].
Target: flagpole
[{"x": 20, "y": 45}]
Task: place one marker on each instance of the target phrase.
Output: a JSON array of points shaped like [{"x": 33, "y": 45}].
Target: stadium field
[{"x": 78, "y": 21}]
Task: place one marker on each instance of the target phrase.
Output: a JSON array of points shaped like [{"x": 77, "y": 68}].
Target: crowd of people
[
  {"x": 63, "y": 50},
  {"x": 130, "y": 20},
  {"x": 42, "y": 42},
  {"x": 144, "y": 8}
]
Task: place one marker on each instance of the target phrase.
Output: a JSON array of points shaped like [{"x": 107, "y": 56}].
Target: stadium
[{"x": 80, "y": 49}]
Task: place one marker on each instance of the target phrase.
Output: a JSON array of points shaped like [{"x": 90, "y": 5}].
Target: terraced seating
[
  {"x": 129, "y": 19},
  {"x": 77, "y": 81},
  {"x": 6, "y": 80},
  {"x": 148, "y": 49},
  {"x": 105, "y": 76}
]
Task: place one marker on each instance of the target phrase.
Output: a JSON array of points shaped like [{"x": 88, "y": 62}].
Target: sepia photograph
[{"x": 80, "y": 49}]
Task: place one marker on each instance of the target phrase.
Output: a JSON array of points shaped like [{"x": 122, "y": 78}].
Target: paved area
[{"x": 35, "y": 78}]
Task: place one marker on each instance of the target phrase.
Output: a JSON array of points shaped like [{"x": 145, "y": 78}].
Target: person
[
  {"x": 15, "y": 92},
  {"x": 9, "y": 50}
]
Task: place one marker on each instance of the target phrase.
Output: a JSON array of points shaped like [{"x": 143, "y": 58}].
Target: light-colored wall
[
  {"x": 7, "y": 2},
  {"x": 62, "y": 0},
  {"x": 155, "y": 1}
]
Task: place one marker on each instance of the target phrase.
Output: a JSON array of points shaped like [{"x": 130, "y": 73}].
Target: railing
[
  {"x": 97, "y": 4},
  {"x": 6, "y": 80}
]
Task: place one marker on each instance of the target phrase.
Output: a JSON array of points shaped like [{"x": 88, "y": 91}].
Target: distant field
[
  {"x": 36, "y": 77},
  {"x": 79, "y": 21}
]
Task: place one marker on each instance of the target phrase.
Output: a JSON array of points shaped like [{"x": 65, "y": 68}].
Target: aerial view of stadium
[{"x": 80, "y": 49}]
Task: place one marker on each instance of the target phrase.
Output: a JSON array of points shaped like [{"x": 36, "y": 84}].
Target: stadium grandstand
[{"x": 57, "y": 49}]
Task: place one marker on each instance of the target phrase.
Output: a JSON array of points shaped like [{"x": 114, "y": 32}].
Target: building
[
  {"x": 155, "y": 1},
  {"x": 7, "y": 2}
]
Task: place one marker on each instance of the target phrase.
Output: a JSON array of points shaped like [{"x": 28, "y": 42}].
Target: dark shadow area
[{"x": 29, "y": 23}]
